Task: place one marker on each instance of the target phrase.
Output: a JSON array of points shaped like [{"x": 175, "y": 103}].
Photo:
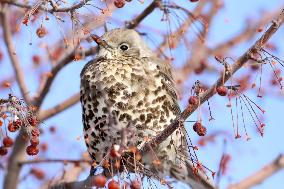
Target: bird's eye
[{"x": 123, "y": 46}]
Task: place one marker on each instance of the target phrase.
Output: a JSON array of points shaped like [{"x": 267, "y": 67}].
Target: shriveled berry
[
  {"x": 39, "y": 174},
  {"x": 99, "y": 181},
  {"x": 222, "y": 90},
  {"x": 119, "y": 3},
  {"x": 8, "y": 142},
  {"x": 41, "y": 32},
  {"x": 36, "y": 59},
  {"x": 135, "y": 184},
  {"x": 34, "y": 141},
  {"x": 196, "y": 126},
  {"x": 3, "y": 151},
  {"x": 43, "y": 147},
  {"x": 33, "y": 121},
  {"x": 35, "y": 132},
  {"x": 113, "y": 185},
  {"x": 193, "y": 100},
  {"x": 13, "y": 126},
  {"x": 201, "y": 131},
  {"x": 32, "y": 150}
]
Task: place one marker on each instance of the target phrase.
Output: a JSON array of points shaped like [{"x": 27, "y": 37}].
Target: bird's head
[{"x": 120, "y": 43}]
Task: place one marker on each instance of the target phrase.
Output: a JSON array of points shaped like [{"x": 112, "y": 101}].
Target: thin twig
[
  {"x": 46, "y": 114},
  {"x": 36, "y": 161},
  {"x": 12, "y": 54},
  {"x": 52, "y": 10}
]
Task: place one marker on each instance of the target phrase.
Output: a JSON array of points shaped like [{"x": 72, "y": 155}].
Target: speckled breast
[{"x": 119, "y": 93}]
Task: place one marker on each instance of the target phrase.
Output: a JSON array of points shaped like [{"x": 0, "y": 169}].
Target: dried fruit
[
  {"x": 33, "y": 121},
  {"x": 41, "y": 32},
  {"x": 8, "y": 142},
  {"x": 35, "y": 132},
  {"x": 32, "y": 150},
  {"x": 13, "y": 126},
  {"x": 3, "y": 151},
  {"x": 39, "y": 174},
  {"x": 199, "y": 129},
  {"x": 34, "y": 141},
  {"x": 99, "y": 181},
  {"x": 113, "y": 185},
  {"x": 36, "y": 59},
  {"x": 222, "y": 90},
  {"x": 193, "y": 100},
  {"x": 119, "y": 3}
]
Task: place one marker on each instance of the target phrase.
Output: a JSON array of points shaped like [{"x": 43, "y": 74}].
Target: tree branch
[
  {"x": 190, "y": 109},
  {"x": 260, "y": 175},
  {"x": 212, "y": 90},
  {"x": 46, "y": 114},
  {"x": 12, "y": 54},
  {"x": 52, "y": 10}
]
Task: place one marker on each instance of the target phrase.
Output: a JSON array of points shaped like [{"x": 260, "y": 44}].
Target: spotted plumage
[{"x": 128, "y": 86}]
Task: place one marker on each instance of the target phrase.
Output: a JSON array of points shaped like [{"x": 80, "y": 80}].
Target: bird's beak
[{"x": 99, "y": 41}]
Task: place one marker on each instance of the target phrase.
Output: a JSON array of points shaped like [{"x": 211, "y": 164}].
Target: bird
[{"x": 127, "y": 87}]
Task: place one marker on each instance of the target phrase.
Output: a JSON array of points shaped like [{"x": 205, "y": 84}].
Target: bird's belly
[{"x": 123, "y": 99}]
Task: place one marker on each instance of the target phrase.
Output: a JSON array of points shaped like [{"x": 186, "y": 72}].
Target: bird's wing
[{"x": 165, "y": 71}]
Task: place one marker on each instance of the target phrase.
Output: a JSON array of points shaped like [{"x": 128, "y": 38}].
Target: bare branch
[
  {"x": 259, "y": 176},
  {"x": 212, "y": 90},
  {"x": 36, "y": 161},
  {"x": 52, "y": 10},
  {"x": 46, "y": 114},
  {"x": 45, "y": 87},
  {"x": 12, "y": 54}
]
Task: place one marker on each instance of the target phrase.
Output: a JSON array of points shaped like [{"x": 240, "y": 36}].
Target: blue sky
[{"x": 248, "y": 156}]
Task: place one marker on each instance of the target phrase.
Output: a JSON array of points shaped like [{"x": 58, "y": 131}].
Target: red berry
[
  {"x": 44, "y": 147},
  {"x": 119, "y": 3},
  {"x": 113, "y": 185},
  {"x": 3, "y": 151},
  {"x": 135, "y": 184},
  {"x": 196, "y": 126},
  {"x": 8, "y": 142},
  {"x": 13, "y": 126},
  {"x": 193, "y": 1},
  {"x": 222, "y": 90},
  {"x": 39, "y": 174},
  {"x": 99, "y": 181},
  {"x": 35, "y": 132},
  {"x": 36, "y": 59},
  {"x": 193, "y": 100},
  {"x": 33, "y": 121},
  {"x": 202, "y": 131},
  {"x": 41, "y": 32},
  {"x": 34, "y": 141},
  {"x": 32, "y": 150},
  {"x": 52, "y": 129},
  {"x": 199, "y": 129}
]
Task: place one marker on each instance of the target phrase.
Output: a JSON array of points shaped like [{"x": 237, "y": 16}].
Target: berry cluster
[{"x": 14, "y": 115}]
